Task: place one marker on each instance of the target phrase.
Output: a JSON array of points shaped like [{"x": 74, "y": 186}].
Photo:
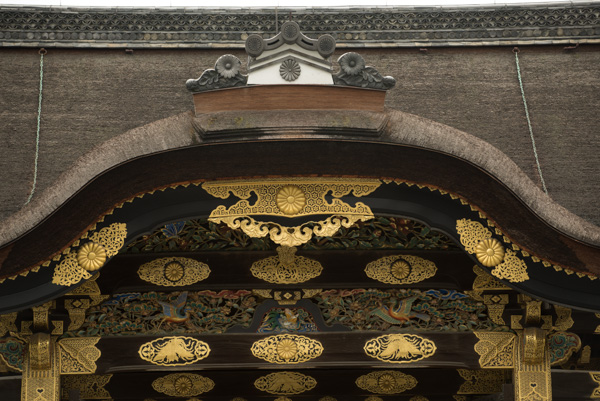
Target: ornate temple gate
[{"x": 298, "y": 278}]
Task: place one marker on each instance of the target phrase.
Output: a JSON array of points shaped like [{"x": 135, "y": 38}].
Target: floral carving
[
  {"x": 353, "y": 72},
  {"x": 290, "y": 199},
  {"x": 289, "y": 70},
  {"x": 226, "y": 74},
  {"x": 287, "y": 348},
  {"x": 183, "y": 384},
  {"x": 386, "y": 382}
]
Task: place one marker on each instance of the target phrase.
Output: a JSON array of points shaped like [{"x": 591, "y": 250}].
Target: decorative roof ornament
[{"x": 290, "y": 57}]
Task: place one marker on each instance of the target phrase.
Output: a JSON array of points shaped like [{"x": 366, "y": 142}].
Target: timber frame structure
[{"x": 291, "y": 238}]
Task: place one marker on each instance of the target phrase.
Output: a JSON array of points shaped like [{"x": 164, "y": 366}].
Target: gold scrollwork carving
[
  {"x": 285, "y": 383},
  {"x": 287, "y": 348},
  {"x": 595, "y": 376},
  {"x": 76, "y": 309},
  {"x": 91, "y": 387},
  {"x": 473, "y": 234},
  {"x": 401, "y": 269},
  {"x": 481, "y": 381},
  {"x": 41, "y": 384},
  {"x": 174, "y": 271},
  {"x": 174, "y": 351},
  {"x": 78, "y": 355},
  {"x": 400, "y": 348},
  {"x": 534, "y": 345},
  {"x": 7, "y": 323},
  {"x": 386, "y": 382},
  {"x": 72, "y": 268},
  {"x": 564, "y": 321},
  {"x": 291, "y": 197},
  {"x": 286, "y": 268},
  {"x": 495, "y": 349},
  {"x": 40, "y": 351},
  {"x": 183, "y": 384}
]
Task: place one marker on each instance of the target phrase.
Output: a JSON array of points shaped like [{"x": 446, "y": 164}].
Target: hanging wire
[
  {"x": 537, "y": 161},
  {"x": 41, "y": 52}
]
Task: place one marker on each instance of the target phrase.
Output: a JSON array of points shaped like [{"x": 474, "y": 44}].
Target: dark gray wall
[{"x": 90, "y": 96}]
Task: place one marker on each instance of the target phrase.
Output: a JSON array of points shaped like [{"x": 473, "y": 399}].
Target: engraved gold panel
[
  {"x": 183, "y": 384},
  {"x": 41, "y": 349},
  {"x": 286, "y": 268},
  {"x": 564, "y": 321},
  {"x": 174, "y": 271},
  {"x": 91, "y": 387},
  {"x": 78, "y": 355},
  {"x": 532, "y": 380},
  {"x": 401, "y": 269},
  {"x": 481, "y": 381},
  {"x": 400, "y": 348},
  {"x": 287, "y": 348},
  {"x": 495, "y": 349},
  {"x": 291, "y": 197},
  {"x": 285, "y": 383},
  {"x": 7, "y": 323},
  {"x": 174, "y": 351},
  {"x": 386, "y": 382},
  {"x": 76, "y": 309},
  {"x": 474, "y": 237},
  {"x": 41, "y": 384}
]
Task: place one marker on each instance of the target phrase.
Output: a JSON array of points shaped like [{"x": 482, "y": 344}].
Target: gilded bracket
[
  {"x": 78, "y": 355},
  {"x": 76, "y": 309},
  {"x": 496, "y": 349},
  {"x": 41, "y": 370},
  {"x": 495, "y": 304},
  {"x": 290, "y": 198},
  {"x": 531, "y": 374}
]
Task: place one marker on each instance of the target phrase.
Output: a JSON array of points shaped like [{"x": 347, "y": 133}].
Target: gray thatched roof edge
[
  {"x": 177, "y": 131},
  {"x": 121, "y": 27}
]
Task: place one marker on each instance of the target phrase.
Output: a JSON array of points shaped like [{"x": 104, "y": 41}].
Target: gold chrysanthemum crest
[
  {"x": 386, "y": 382},
  {"x": 287, "y": 348},
  {"x": 489, "y": 252},
  {"x": 400, "y": 348},
  {"x": 401, "y": 269},
  {"x": 91, "y": 256},
  {"x": 285, "y": 383},
  {"x": 290, "y": 199},
  {"x": 183, "y": 384},
  {"x": 174, "y": 271}
]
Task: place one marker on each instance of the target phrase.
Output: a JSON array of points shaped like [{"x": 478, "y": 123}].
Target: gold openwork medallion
[
  {"x": 386, "y": 382},
  {"x": 400, "y": 348},
  {"x": 174, "y": 351},
  {"x": 174, "y": 271},
  {"x": 183, "y": 384},
  {"x": 401, "y": 269},
  {"x": 287, "y": 348},
  {"x": 286, "y": 268},
  {"x": 285, "y": 383}
]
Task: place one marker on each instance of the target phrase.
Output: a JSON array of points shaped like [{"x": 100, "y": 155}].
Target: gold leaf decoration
[
  {"x": 386, "y": 382},
  {"x": 418, "y": 398},
  {"x": 112, "y": 238},
  {"x": 495, "y": 349},
  {"x": 564, "y": 321},
  {"x": 531, "y": 380},
  {"x": 401, "y": 269},
  {"x": 174, "y": 351},
  {"x": 7, "y": 323},
  {"x": 476, "y": 238},
  {"x": 287, "y": 268},
  {"x": 174, "y": 271},
  {"x": 327, "y": 398},
  {"x": 183, "y": 384},
  {"x": 76, "y": 309},
  {"x": 373, "y": 398},
  {"x": 78, "y": 355},
  {"x": 283, "y": 399},
  {"x": 512, "y": 269},
  {"x": 70, "y": 272},
  {"x": 91, "y": 387},
  {"x": 287, "y": 348},
  {"x": 285, "y": 383},
  {"x": 471, "y": 233},
  {"x": 287, "y": 197},
  {"x": 489, "y": 252},
  {"x": 481, "y": 381},
  {"x": 91, "y": 256},
  {"x": 400, "y": 348}
]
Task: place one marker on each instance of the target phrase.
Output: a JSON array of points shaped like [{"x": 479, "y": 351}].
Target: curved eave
[{"x": 102, "y": 199}]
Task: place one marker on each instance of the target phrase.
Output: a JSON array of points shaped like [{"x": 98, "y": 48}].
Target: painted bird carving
[
  {"x": 400, "y": 314},
  {"x": 289, "y": 320},
  {"x": 176, "y": 312}
]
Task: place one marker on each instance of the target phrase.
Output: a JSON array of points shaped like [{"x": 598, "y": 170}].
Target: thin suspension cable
[
  {"x": 37, "y": 134},
  {"x": 537, "y": 160}
]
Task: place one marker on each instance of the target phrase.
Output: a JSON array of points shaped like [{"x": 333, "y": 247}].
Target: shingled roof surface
[{"x": 453, "y": 66}]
